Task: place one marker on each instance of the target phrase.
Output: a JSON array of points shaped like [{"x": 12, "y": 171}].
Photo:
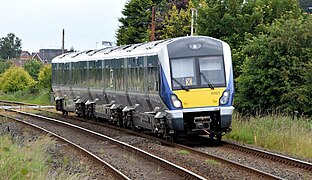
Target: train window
[
  {"x": 107, "y": 74},
  {"x": 152, "y": 74},
  {"x": 119, "y": 74},
  {"x": 75, "y": 73},
  {"x": 213, "y": 70},
  {"x": 183, "y": 72},
  {"x": 54, "y": 73},
  {"x": 92, "y": 73},
  {"x": 83, "y": 73}
]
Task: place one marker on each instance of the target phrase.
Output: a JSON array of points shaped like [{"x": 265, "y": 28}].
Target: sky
[{"x": 39, "y": 23}]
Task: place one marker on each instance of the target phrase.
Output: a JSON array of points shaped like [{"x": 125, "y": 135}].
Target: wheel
[{"x": 219, "y": 137}]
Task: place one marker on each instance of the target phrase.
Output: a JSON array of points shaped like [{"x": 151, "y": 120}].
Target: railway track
[
  {"x": 115, "y": 172},
  {"x": 255, "y": 152},
  {"x": 19, "y": 105},
  {"x": 202, "y": 154},
  {"x": 269, "y": 155},
  {"x": 164, "y": 166},
  {"x": 291, "y": 162}
]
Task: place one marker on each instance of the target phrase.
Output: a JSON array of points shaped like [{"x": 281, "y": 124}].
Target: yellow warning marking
[{"x": 188, "y": 81}]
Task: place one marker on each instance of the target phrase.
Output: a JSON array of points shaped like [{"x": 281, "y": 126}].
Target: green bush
[
  {"x": 45, "y": 76},
  {"x": 4, "y": 65},
  {"x": 15, "y": 79},
  {"x": 33, "y": 67},
  {"x": 277, "y": 69}
]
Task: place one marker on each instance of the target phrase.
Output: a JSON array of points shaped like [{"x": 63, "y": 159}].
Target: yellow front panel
[{"x": 199, "y": 97}]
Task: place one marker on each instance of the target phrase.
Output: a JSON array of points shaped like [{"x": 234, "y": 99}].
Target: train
[{"x": 174, "y": 88}]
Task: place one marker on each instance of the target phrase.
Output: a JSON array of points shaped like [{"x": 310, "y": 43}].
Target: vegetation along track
[
  {"x": 116, "y": 173},
  {"x": 269, "y": 155},
  {"x": 132, "y": 161},
  {"x": 19, "y": 105},
  {"x": 223, "y": 165}
]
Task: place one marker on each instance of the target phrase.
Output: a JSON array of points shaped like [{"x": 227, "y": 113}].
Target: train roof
[{"x": 124, "y": 51}]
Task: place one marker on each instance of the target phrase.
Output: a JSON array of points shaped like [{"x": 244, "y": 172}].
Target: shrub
[
  {"x": 44, "y": 77},
  {"x": 277, "y": 70},
  {"x": 15, "y": 79},
  {"x": 33, "y": 67}
]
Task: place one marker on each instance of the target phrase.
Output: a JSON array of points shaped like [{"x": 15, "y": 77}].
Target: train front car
[{"x": 196, "y": 84}]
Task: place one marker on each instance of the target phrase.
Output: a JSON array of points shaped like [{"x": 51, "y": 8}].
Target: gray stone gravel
[{"x": 205, "y": 167}]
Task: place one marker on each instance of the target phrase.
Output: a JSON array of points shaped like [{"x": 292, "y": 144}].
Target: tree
[
  {"x": 177, "y": 23},
  {"x": 235, "y": 21},
  {"x": 45, "y": 76},
  {"x": 15, "y": 79},
  {"x": 277, "y": 69},
  {"x": 135, "y": 23},
  {"x": 4, "y": 65},
  {"x": 33, "y": 67},
  {"x": 10, "y": 46}
]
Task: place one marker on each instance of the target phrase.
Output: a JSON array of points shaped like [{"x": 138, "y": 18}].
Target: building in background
[{"x": 47, "y": 55}]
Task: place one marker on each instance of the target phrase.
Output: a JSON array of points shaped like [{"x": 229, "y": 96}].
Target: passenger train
[{"x": 175, "y": 87}]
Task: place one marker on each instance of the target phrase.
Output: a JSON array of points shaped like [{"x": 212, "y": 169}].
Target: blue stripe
[{"x": 165, "y": 91}]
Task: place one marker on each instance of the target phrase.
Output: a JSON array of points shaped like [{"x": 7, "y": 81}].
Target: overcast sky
[{"x": 39, "y": 23}]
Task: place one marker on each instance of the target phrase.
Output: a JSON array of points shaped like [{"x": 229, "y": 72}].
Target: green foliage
[
  {"x": 177, "y": 23},
  {"x": 172, "y": 20},
  {"x": 135, "y": 23},
  {"x": 10, "y": 46},
  {"x": 40, "y": 96},
  {"x": 4, "y": 65},
  {"x": 15, "y": 79},
  {"x": 26, "y": 162},
  {"x": 277, "y": 69},
  {"x": 33, "y": 67},
  {"x": 45, "y": 77},
  {"x": 281, "y": 133},
  {"x": 234, "y": 21}
]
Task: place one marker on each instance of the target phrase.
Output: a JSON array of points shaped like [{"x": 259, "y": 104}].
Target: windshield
[
  {"x": 190, "y": 73},
  {"x": 183, "y": 72},
  {"x": 212, "y": 68}
]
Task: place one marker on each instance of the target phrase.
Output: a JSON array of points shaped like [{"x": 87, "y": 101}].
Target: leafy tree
[
  {"x": 4, "y": 65},
  {"x": 137, "y": 18},
  {"x": 176, "y": 23},
  {"x": 15, "y": 79},
  {"x": 134, "y": 25},
  {"x": 33, "y": 67},
  {"x": 277, "y": 69},
  {"x": 235, "y": 21},
  {"x": 10, "y": 46},
  {"x": 45, "y": 76}
]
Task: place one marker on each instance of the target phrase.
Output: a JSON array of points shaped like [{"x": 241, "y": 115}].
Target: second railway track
[
  {"x": 201, "y": 163},
  {"x": 278, "y": 166},
  {"x": 132, "y": 161}
]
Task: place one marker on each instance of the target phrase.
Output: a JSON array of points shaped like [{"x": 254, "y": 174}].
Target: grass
[
  {"x": 32, "y": 161},
  {"x": 26, "y": 162},
  {"x": 276, "y": 132},
  {"x": 212, "y": 162},
  {"x": 40, "y": 98},
  {"x": 183, "y": 152}
]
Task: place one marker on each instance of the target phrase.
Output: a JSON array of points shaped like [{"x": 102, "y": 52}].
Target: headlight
[
  {"x": 175, "y": 101},
  {"x": 225, "y": 98}
]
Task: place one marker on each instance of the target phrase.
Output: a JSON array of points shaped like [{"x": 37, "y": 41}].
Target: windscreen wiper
[
  {"x": 181, "y": 85},
  {"x": 210, "y": 85}
]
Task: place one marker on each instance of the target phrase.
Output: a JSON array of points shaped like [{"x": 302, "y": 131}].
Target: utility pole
[
  {"x": 192, "y": 22},
  {"x": 63, "y": 41},
  {"x": 153, "y": 24}
]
